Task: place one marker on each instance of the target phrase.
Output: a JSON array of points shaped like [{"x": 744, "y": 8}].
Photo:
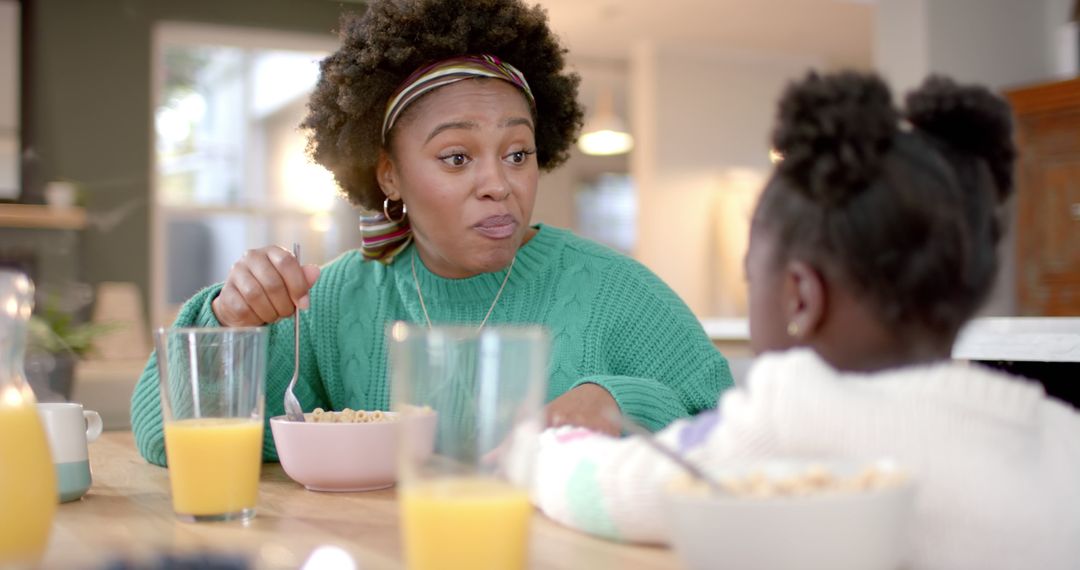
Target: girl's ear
[
  {"x": 387, "y": 176},
  {"x": 805, "y": 299}
]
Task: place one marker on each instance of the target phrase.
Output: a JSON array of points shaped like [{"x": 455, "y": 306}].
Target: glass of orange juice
[
  {"x": 212, "y": 409},
  {"x": 467, "y": 504}
]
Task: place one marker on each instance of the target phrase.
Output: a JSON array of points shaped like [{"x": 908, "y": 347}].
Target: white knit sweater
[{"x": 997, "y": 462}]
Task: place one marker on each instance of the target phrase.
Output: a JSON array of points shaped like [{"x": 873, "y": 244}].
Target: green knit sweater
[{"x": 612, "y": 323}]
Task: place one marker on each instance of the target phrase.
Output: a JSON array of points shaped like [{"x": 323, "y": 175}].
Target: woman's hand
[
  {"x": 266, "y": 285},
  {"x": 588, "y": 406}
]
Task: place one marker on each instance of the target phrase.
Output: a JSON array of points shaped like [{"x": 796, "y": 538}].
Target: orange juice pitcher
[{"x": 28, "y": 495}]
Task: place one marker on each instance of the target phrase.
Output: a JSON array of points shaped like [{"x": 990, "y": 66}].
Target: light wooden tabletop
[{"x": 128, "y": 515}]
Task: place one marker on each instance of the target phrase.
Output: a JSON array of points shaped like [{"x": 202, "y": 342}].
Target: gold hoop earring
[
  {"x": 792, "y": 329},
  {"x": 386, "y": 211}
]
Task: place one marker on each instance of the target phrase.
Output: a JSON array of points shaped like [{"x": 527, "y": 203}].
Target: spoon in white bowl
[
  {"x": 650, "y": 440},
  {"x": 293, "y": 411}
]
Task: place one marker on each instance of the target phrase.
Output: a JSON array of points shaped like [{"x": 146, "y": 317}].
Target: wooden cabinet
[{"x": 1048, "y": 199}]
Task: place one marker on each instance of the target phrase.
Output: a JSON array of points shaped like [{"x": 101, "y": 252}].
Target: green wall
[{"x": 87, "y": 108}]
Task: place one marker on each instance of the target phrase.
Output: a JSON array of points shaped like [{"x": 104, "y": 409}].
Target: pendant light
[{"x": 605, "y": 133}]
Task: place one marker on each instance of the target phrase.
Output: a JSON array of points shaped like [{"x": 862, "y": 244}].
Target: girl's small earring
[{"x": 793, "y": 329}]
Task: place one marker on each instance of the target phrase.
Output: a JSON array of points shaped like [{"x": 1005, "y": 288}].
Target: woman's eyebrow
[
  {"x": 471, "y": 125},
  {"x": 515, "y": 121},
  {"x": 467, "y": 125}
]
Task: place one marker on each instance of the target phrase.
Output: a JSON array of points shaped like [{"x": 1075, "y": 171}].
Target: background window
[{"x": 231, "y": 168}]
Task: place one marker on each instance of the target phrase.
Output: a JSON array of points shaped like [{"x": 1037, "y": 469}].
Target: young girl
[{"x": 872, "y": 244}]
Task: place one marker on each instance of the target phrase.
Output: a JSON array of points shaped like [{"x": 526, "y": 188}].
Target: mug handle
[{"x": 93, "y": 425}]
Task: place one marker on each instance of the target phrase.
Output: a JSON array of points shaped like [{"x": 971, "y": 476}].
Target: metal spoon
[
  {"x": 650, "y": 440},
  {"x": 293, "y": 411}
]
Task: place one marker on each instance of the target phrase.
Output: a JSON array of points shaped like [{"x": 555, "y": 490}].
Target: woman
[
  {"x": 873, "y": 242},
  {"x": 439, "y": 115}
]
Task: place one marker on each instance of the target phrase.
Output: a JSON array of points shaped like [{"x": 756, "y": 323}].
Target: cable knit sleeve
[
  {"x": 614, "y": 488},
  {"x": 611, "y": 487},
  {"x": 660, "y": 364}
]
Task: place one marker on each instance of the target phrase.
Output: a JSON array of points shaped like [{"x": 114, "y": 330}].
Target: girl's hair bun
[
  {"x": 833, "y": 132},
  {"x": 970, "y": 119}
]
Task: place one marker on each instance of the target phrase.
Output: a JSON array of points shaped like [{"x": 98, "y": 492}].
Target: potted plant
[{"x": 57, "y": 340}]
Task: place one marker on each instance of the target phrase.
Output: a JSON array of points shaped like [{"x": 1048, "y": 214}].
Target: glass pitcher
[{"x": 28, "y": 496}]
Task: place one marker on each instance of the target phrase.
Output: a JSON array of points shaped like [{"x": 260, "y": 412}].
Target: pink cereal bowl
[{"x": 345, "y": 457}]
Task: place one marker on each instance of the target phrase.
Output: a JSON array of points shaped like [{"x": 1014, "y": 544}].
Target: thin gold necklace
[{"x": 493, "y": 303}]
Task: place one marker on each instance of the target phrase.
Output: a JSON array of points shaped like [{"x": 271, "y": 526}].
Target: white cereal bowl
[
  {"x": 345, "y": 457},
  {"x": 833, "y": 530}
]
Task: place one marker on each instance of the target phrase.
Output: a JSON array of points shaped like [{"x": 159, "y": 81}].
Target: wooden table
[{"x": 128, "y": 514}]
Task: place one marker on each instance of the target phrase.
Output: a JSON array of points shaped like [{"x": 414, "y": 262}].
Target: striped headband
[{"x": 446, "y": 72}]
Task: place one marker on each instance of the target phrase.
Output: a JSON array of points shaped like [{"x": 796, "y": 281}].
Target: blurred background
[{"x": 146, "y": 144}]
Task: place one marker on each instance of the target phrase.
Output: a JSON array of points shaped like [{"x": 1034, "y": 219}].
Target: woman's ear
[
  {"x": 387, "y": 177},
  {"x": 806, "y": 300}
]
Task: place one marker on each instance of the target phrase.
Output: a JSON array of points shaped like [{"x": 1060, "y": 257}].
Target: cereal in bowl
[
  {"x": 811, "y": 479},
  {"x": 349, "y": 416}
]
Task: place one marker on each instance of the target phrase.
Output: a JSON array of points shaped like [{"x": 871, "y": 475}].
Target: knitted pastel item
[
  {"x": 994, "y": 459},
  {"x": 612, "y": 323}
]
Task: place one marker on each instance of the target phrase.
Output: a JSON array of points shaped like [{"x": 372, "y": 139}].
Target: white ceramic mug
[
  {"x": 69, "y": 428},
  {"x": 60, "y": 194}
]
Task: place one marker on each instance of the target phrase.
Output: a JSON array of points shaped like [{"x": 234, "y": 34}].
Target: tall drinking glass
[
  {"x": 212, "y": 408},
  {"x": 467, "y": 505}
]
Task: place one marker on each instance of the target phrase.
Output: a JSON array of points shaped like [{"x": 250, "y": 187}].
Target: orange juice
[
  {"x": 28, "y": 492},
  {"x": 214, "y": 464},
  {"x": 470, "y": 523}
]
